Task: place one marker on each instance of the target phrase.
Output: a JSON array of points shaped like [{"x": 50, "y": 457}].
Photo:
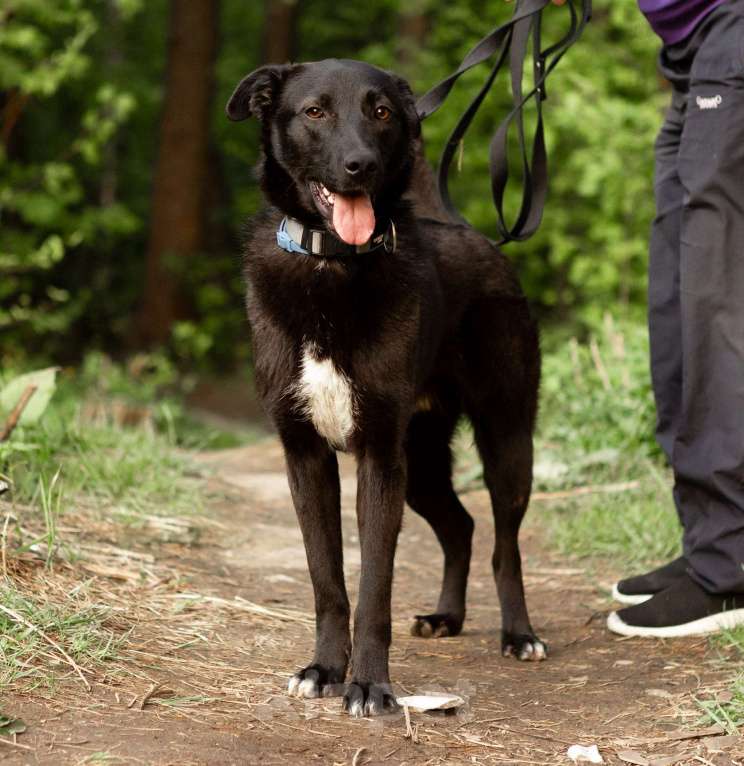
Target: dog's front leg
[
  {"x": 380, "y": 497},
  {"x": 312, "y": 469}
]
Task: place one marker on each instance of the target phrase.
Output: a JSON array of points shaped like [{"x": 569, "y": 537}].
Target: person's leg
[
  {"x": 664, "y": 312},
  {"x": 707, "y": 450},
  {"x": 664, "y": 323}
]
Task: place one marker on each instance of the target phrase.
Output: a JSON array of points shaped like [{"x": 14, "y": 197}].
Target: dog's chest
[{"x": 325, "y": 396}]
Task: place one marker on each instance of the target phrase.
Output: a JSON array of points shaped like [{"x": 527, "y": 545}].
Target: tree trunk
[
  {"x": 413, "y": 30},
  {"x": 280, "y": 25},
  {"x": 112, "y": 58},
  {"x": 178, "y": 217}
]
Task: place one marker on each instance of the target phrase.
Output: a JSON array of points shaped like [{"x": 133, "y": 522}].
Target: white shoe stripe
[
  {"x": 625, "y": 598},
  {"x": 705, "y": 625}
]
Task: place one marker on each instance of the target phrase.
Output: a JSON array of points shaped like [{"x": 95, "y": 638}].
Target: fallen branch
[
  {"x": 4, "y": 546},
  {"x": 23, "y": 621},
  {"x": 411, "y": 731},
  {"x": 149, "y": 694},
  {"x": 10, "y": 743},
  {"x": 15, "y": 416},
  {"x": 243, "y": 605},
  {"x": 588, "y": 490},
  {"x": 711, "y": 731}
]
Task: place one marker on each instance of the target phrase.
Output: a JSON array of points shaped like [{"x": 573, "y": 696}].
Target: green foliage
[
  {"x": 630, "y": 521},
  {"x": 727, "y": 708},
  {"x": 597, "y": 395},
  {"x": 76, "y": 167},
  {"x": 42, "y": 383},
  {"x": 596, "y": 435},
  {"x": 48, "y": 213},
  {"x": 10, "y": 726},
  {"x": 107, "y": 438},
  {"x": 603, "y": 110}
]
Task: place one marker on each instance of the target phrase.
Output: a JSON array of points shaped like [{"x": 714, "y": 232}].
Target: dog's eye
[
  {"x": 383, "y": 113},
  {"x": 314, "y": 112}
]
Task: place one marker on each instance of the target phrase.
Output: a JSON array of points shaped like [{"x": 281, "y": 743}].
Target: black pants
[{"x": 696, "y": 293}]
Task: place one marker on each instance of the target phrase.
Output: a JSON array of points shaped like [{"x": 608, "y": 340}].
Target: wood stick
[
  {"x": 148, "y": 695},
  {"x": 10, "y": 742},
  {"x": 625, "y": 486},
  {"x": 15, "y": 416},
  {"x": 4, "y": 545}
]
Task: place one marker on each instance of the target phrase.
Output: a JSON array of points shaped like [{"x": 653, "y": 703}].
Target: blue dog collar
[
  {"x": 285, "y": 241},
  {"x": 295, "y": 237}
]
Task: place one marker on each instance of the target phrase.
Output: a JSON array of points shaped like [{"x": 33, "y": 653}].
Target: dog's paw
[
  {"x": 316, "y": 681},
  {"x": 364, "y": 699},
  {"x": 435, "y": 625},
  {"x": 526, "y": 647}
]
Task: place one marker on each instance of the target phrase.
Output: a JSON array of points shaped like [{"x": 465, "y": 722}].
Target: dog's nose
[{"x": 360, "y": 164}]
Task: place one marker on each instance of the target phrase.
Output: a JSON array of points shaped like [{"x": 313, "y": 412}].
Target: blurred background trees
[{"x": 123, "y": 188}]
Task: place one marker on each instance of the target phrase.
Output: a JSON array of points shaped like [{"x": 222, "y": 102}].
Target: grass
[
  {"x": 635, "y": 528},
  {"x": 116, "y": 437},
  {"x": 727, "y": 708},
  {"x": 107, "y": 453},
  {"x": 74, "y": 625},
  {"x": 596, "y": 430}
]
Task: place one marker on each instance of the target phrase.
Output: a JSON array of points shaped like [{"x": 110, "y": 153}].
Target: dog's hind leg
[
  {"x": 430, "y": 494},
  {"x": 312, "y": 470},
  {"x": 506, "y": 451}
]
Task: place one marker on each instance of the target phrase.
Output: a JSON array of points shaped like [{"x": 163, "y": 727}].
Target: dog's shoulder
[{"x": 464, "y": 256}]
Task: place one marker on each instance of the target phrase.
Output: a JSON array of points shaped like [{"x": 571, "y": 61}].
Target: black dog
[{"x": 374, "y": 331}]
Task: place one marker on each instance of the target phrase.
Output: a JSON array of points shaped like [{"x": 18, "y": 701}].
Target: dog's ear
[
  {"x": 257, "y": 93},
  {"x": 409, "y": 105}
]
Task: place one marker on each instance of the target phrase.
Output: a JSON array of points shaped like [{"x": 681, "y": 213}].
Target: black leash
[{"x": 512, "y": 40}]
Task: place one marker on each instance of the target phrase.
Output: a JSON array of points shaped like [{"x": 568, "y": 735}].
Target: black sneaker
[
  {"x": 682, "y": 609},
  {"x": 636, "y": 590}
]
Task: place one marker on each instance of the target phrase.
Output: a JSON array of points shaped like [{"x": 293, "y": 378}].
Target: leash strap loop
[{"x": 512, "y": 40}]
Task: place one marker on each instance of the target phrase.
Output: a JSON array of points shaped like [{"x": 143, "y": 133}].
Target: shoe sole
[
  {"x": 630, "y": 600},
  {"x": 702, "y": 627}
]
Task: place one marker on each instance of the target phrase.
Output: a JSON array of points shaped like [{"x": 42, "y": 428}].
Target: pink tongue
[{"x": 353, "y": 218}]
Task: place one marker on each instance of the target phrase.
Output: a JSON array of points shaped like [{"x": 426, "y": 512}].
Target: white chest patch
[{"x": 325, "y": 396}]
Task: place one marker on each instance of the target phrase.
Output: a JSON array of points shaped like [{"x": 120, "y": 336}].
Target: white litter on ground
[
  {"x": 579, "y": 753},
  {"x": 423, "y": 703}
]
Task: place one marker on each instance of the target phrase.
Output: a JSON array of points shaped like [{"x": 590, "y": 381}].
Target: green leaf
[
  {"x": 11, "y": 394},
  {"x": 10, "y": 726}
]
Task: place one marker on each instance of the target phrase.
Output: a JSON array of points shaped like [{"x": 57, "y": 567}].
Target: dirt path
[{"x": 201, "y": 679}]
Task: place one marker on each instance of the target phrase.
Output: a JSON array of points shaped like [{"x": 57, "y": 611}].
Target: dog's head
[{"x": 337, "y": 139}]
